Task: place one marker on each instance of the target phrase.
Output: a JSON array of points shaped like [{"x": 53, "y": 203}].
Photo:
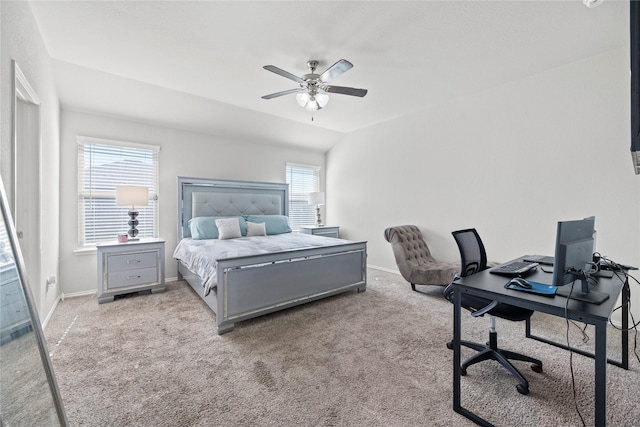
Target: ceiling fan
[{"x": 313, "y": 91}]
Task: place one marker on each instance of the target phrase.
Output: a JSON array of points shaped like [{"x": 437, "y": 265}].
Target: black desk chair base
[{"x": 490, "y": 351}]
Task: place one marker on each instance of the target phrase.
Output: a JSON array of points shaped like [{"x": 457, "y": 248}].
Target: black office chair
[{"x": 474, "y": 259}]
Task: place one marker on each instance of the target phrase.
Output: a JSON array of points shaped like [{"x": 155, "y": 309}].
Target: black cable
[
  {"x": 624, "y": 277},
  {"x": 635, "y": 339},
  {"x": 573, "y": 378},
  {"x": 583, "y": 331}
]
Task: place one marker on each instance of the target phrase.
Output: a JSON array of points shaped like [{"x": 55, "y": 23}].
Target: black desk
[{"x": 491, "y": 286}]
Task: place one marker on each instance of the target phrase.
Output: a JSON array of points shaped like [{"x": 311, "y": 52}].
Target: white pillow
[
  {"x": 228, "y": 228},
  {"x": 256, "y": 229}
]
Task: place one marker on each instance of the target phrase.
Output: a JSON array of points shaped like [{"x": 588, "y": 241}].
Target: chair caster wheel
[
  {"x": 450, "y": 345},
  {"x": 536, "y": 368},
  {"x": 522, "y": 389},
  {"x": 463, "y": 371}
]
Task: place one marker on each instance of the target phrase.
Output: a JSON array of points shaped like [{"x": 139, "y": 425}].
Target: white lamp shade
[
  {"x": 316, "y": 198},
  {"x": 130, "y": 195}
]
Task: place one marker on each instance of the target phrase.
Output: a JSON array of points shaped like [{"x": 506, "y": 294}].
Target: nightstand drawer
[
  {"x": 14, "y": 313},
  {"x": 122, "y": 279},
  {"x": 326, "y": 233},
  {"x": 321, "y": 230},
  {"x": 133, "y": 261},
  {"x": 10, "y": 293}
]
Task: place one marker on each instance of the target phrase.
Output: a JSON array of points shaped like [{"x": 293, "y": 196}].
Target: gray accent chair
[{"x": 414, "y": 259}]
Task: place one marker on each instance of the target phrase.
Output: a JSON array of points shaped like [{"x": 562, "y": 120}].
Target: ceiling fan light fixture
[
  {"x": 322, "y": 99},
  {"x": 302, "y": 98},
  {"x": 312, "y": 105}
]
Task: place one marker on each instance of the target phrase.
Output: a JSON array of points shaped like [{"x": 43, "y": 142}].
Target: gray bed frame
[{"x": 251, "y": 286}]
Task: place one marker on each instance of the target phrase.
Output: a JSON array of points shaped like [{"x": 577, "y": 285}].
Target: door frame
[{"x": 24, "y": 92}]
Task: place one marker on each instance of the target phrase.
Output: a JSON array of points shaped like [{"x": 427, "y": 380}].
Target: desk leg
[
  {"x": 601, "y": 374},
  {"x": 457, "y": 332},
  {"x": 626, "y": 294},
  {"x": 456, "y": 350},
  {"x": 457, "y": 318}
]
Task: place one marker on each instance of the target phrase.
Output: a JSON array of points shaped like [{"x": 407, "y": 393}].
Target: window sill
[{"x": 85, "y": 251}]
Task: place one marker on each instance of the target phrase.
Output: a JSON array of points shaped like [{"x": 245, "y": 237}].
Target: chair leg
[
  {"x": 491, "y": 351},
  {"x": 472, "y": 345},
  {"x": 413, "y": 286},
  {"x": 522, "y": 357},
  {"x": 484, "y": 354}
]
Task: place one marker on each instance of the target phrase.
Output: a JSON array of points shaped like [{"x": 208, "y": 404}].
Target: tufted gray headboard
[
  {"x": 206, "y": 197},
  {"x": 216, "y": 204}
]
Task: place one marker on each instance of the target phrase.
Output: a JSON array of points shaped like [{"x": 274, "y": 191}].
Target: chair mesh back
[{"x": 472, "y": 253}]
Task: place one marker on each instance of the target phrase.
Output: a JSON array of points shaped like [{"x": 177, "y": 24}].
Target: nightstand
[
  {"x": 324, "y": 230},
  {"x": 130, "y": 267}
]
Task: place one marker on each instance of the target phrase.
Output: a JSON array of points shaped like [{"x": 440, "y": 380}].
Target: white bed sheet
[{"x": 201, "y": 256}]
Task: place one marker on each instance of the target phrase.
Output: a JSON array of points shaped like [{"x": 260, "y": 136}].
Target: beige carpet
[{"x": 372, "y": 359}]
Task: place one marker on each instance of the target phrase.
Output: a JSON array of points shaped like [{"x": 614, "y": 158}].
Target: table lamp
[
  {"x": 132, "y": 196},
  {"x": 317, "y": 199}
]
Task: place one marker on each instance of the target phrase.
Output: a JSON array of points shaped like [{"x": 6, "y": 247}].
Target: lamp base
[
  {"x": 133, "y": 223},
  {"x": 318, "y": 219}
]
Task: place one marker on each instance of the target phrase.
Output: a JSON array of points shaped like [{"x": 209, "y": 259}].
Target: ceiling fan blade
[
  {"x": 284, "y": 92},
  {"x": 335, "y": 70},
  {"x": 283, "y": 73},
  {"x": 346, "y": 90}
]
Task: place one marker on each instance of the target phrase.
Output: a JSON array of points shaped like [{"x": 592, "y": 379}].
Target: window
[
  {"x": 103, "y": 165},
  {"x": 302, "y": 180}
]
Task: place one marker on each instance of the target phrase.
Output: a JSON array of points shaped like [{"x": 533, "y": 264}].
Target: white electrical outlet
[{"x": 51, "y": 281}]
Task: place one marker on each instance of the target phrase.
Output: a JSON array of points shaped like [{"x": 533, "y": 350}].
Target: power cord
[
  {"x": 623, "y": 275},
  {"x": 573, "y": 378}
]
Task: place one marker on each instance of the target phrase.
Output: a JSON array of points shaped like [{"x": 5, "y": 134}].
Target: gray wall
[
  {"x": 181, "y": 154},
  {"x": 21, "y": 41},
  {"x": 562, "y": 136}
]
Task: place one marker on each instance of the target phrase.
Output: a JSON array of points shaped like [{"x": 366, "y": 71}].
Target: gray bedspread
[{"x": 201, "y": 256}]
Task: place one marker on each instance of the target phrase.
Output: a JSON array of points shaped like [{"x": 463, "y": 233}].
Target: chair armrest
[
  {"x": 484, "y": 310},
  {"x": 448, "y": 294},
  {"x": 448, "y": 291}
]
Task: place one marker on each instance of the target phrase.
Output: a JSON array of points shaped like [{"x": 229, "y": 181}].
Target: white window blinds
[
  {"x": 302, "y": 180},
  {"x": 103, "y": 165}
]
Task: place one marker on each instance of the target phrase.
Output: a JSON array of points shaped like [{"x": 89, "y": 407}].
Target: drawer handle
[
  {"x": 133, "y": 261},
  {"x": 133, "y": 277}
]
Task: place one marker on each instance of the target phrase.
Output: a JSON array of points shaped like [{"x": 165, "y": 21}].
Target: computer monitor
[{"x": 573, "y": 260}]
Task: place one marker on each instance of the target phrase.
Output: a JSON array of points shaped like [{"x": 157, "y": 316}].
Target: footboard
[{"x": 257, "y": 285}]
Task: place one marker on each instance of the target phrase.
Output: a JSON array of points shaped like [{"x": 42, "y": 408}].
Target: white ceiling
[{"x": 198, "y": 65}]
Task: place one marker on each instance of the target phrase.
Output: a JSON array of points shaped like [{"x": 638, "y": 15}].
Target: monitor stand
[{"x": 582, "y": 294}]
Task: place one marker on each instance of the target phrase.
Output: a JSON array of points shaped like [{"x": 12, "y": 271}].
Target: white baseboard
[
  {"x": 77, "y": 294},
  {"x": 388, "y": 270},
  {"x": 53, "y": 308}
]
